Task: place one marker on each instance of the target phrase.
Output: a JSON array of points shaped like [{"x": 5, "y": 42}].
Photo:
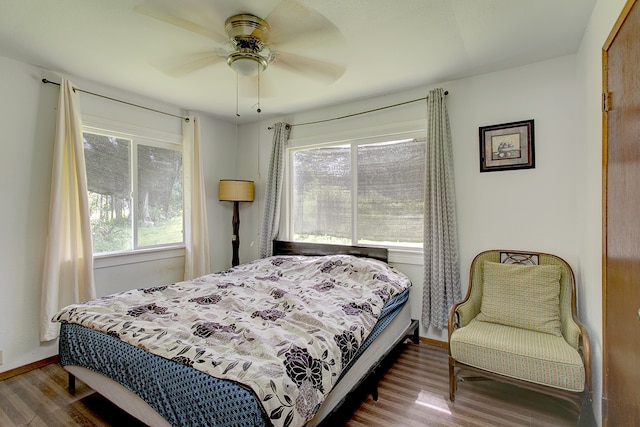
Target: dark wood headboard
[{"x": 304, "y": 248}]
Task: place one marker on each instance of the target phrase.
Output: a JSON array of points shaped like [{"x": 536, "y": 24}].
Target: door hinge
[{"x": 606, "y": 101}]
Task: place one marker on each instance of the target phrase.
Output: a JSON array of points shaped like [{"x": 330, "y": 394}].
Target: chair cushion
[
  {"x": 523, "y": 296},
  {"x": 519, "y": 353}
]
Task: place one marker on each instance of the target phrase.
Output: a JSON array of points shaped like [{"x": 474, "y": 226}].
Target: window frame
[
  {"x": 404, "y": 254},
  {"x": 139, "y": 136}
]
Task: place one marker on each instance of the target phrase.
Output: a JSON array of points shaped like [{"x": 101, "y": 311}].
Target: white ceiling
[{"x": 384, "y": 46}]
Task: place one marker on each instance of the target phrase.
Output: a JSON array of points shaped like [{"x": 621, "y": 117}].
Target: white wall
[
  {"x": 219, "y": 151},
  {"x": 531, "y": 209},
  {"x": 27, "y": 117}
]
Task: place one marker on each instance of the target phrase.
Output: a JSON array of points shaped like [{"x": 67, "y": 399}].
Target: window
[
  {"x": 135, "y": 191},
  {"x": 362, "y": 192}
]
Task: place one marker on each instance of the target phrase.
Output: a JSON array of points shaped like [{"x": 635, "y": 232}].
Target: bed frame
[
  {"x": 281, "y": 247},
  {"x": 368, "y": 384}
]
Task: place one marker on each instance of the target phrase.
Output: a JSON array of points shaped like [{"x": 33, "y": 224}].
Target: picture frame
[{"x": 507, "y": 146}]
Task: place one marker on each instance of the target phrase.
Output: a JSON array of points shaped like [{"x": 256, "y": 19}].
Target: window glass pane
[
  {"x": 391, "y": 193},
  {"x": 159, "y": 196},
  {"x": 321, "y": 181},
  {"x": 107, "y": 160}
]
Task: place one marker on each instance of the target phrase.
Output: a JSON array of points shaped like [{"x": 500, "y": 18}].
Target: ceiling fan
[{"x": 252, "y": 44}]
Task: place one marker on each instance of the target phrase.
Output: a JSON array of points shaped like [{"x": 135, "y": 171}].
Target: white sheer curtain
[
  {"x": 68, "y": 265},
  {"x": 196, "y": 262},
  {"x": 441, "y": 265},
  {"x": 271, "y": 218}
]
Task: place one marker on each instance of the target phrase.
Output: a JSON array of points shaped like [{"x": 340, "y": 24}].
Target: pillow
[{"x": 522, "y": 296}]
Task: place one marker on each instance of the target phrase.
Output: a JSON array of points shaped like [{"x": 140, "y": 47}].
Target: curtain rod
[
  {"x": 119, "y": 100},
  {"x": 446, "y": 92}
]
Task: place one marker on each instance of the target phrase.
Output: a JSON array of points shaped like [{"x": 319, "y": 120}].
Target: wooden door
[{"x": 621, "y": 176}]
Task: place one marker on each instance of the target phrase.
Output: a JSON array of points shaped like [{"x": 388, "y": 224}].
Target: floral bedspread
[{"x": 284, "y": 326}]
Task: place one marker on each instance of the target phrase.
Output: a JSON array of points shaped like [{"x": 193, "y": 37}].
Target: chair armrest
[
  {"x": 461, "y": 314},
  {"x": 572, "y": 332},
  {"x": 467, "y": 311},
  {"x": 576, "y": 335},
  {"x": 585, "y": 346}
]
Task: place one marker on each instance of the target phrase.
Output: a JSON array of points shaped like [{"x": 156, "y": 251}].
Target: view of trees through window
[
  {"x": 112, "y": 163},
  {"x": 381, "y": 203}
]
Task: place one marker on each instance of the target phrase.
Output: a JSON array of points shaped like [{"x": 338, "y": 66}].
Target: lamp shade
[{"x": 232, "y": 190}]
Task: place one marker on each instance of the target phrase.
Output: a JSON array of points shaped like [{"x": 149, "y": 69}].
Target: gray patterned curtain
[
  {"x": 271, "y": 218},
  {"x": 441, "y": 265}
]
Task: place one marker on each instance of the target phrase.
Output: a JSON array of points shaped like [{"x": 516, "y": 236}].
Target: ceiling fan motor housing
[{"x": 247, "y": 25}]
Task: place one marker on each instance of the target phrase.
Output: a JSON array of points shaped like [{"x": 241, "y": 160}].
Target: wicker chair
[{"x": 520, "y": 336}]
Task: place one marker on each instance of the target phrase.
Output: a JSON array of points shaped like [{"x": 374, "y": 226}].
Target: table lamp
[{"x": 236, "y": 191}]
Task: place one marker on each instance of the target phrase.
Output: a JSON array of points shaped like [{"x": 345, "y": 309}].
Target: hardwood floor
[{"x": 413, "y": 392}]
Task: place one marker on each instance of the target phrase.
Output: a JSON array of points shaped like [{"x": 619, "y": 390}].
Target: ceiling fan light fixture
[{"x": 246, "y": 63}]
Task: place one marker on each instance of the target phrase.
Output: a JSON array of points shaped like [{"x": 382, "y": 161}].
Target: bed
[{"x": 284, "y": 341}]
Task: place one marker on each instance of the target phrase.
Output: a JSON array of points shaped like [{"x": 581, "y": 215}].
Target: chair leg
[
  {"x": 586, "y": 417},
  {"x": 452, "y": 380}
]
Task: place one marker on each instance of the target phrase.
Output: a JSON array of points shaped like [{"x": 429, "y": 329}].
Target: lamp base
[{"x": 235, "y": 237}]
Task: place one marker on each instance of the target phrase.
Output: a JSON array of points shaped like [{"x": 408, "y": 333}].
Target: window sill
[
  {"x": 406, "y": 256},
  {"x": 135, "y": 257}
]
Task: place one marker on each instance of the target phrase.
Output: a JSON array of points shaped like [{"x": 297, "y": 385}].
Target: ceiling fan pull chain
[
  {"x": 259, "y": 74},
  {"x": 237, "y": 96}
]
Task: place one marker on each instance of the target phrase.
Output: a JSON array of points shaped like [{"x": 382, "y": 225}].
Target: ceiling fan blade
[
  {"x": 190, "y": 63},
  {"x": 174, "y": 14},
  {"x": 309, "y": 67},
  {"x": 324, "y": 40},
  {"x": 290, "y": 20}
]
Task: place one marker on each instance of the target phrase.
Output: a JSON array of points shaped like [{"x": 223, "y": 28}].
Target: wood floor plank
[
  {"x": 16, "y": 409},
  {"x": 414, "y": 392}
]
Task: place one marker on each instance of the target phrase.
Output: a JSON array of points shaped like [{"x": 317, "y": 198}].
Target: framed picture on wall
[{"x": 507, "y": 146}]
